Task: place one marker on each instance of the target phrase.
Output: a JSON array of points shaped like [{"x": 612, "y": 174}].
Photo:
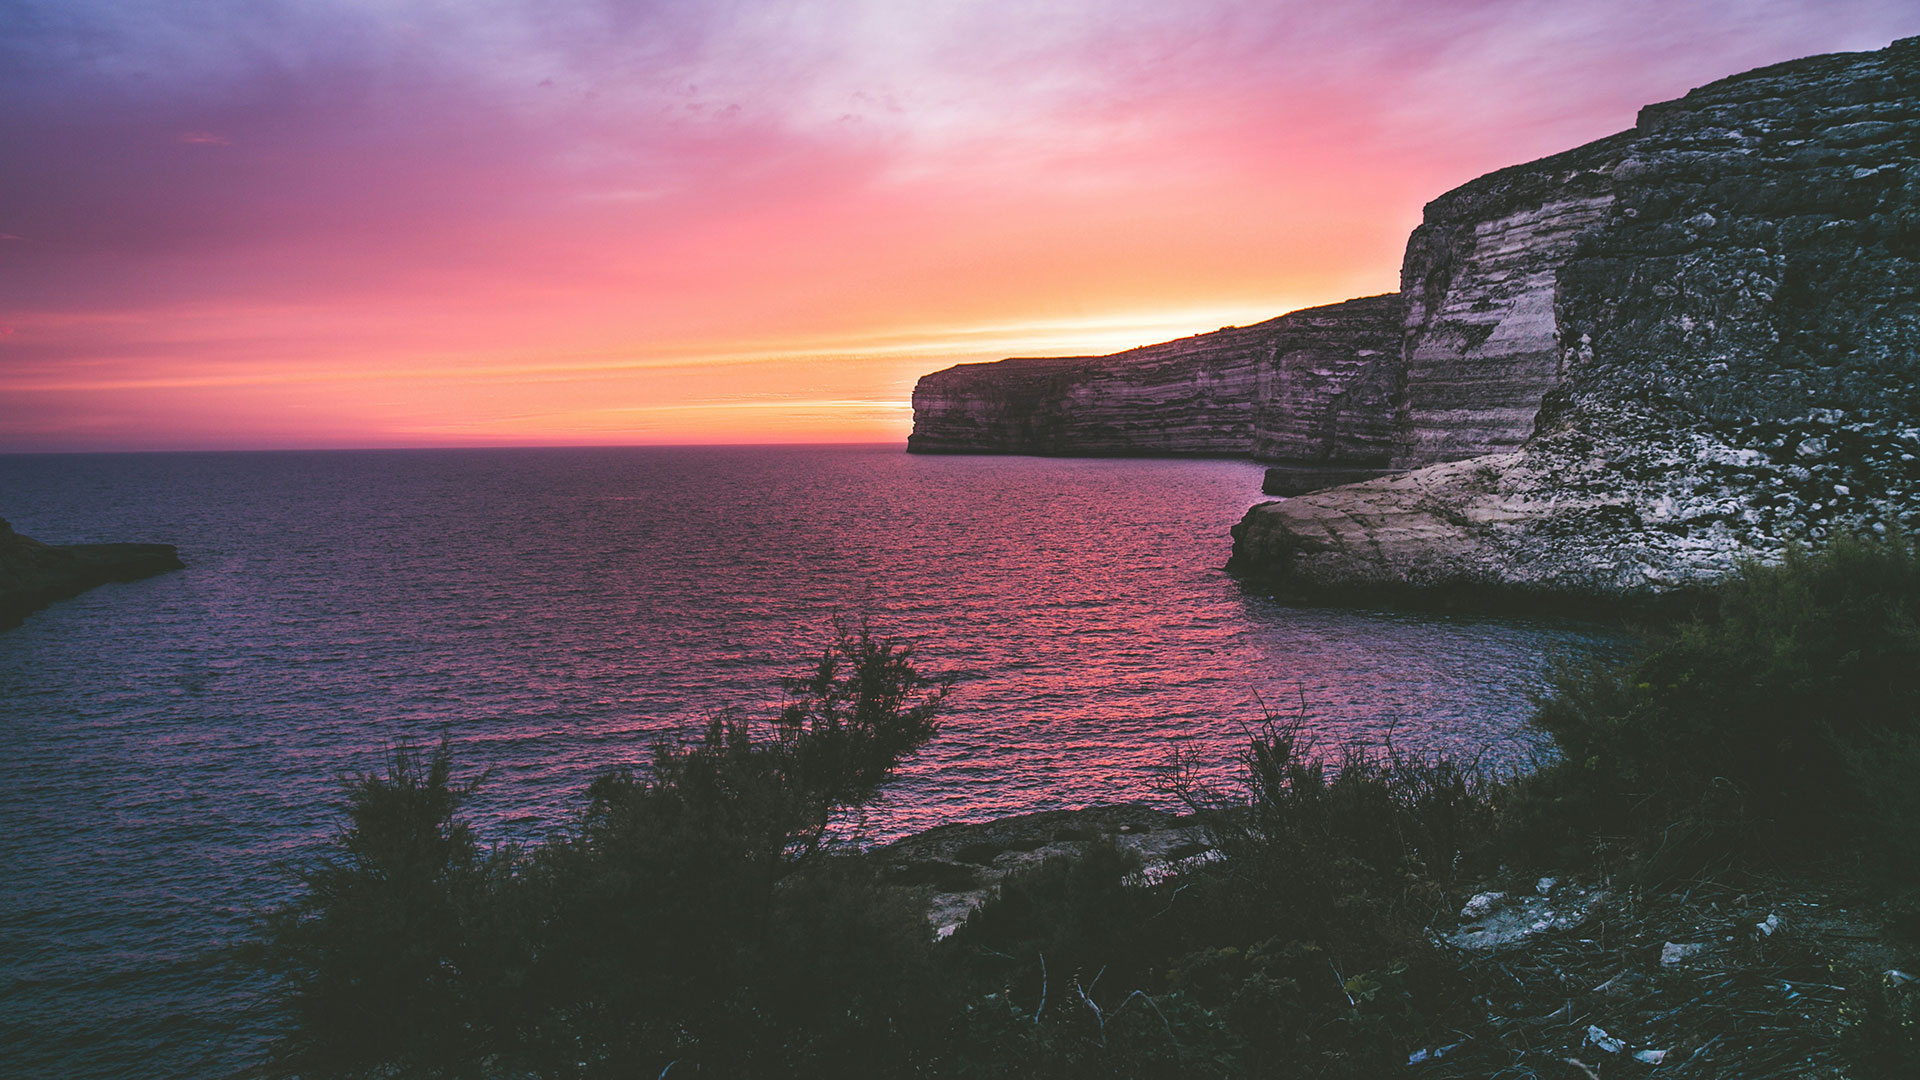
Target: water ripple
[{"x": 171, "y": 743}]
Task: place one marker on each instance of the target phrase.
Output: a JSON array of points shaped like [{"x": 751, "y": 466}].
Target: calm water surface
[{"x": 170, "y": 744}]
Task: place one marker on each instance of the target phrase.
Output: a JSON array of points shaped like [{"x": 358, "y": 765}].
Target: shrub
[
  {"x": 1312, "y": 837},
  {"x": 1786, "y": 714},
  {"x": 692, "y": 915},
  {"x": 1332, "y": 871},
  {"x": 1073, "y": 959},
  {"x": 373, "y": 953},
  {"x": 1301, "y": 952},
  {"x": 1880, "y": 1028}
]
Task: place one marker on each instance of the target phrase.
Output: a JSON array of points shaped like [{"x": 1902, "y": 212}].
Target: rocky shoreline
[
  {"x": 1744, "y": 974},
  {"x": 953, "y": 869},
  {"x": 1735, "y": 360},
  {"x": 33, "y": 574}
]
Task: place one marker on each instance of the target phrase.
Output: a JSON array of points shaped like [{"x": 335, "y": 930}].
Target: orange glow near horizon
[{"x": 656, "y": 225}]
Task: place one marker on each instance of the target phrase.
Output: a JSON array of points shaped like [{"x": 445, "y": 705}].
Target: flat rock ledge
[
  {"x": 955, "y": 868},
  {"x": 1626, "y": 512},
  {"x": 33, "y": 574}
]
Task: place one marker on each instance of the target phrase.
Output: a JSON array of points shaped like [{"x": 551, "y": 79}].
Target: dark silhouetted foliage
[
  {"x": 692, "y": 915},
  {"x": 375, "y": 954},
  {"x": 1787, "y": 716},
  {"x": 696, "y": 921}
]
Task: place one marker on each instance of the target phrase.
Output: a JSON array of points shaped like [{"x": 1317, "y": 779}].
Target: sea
[{"x": 172, "y": 749}]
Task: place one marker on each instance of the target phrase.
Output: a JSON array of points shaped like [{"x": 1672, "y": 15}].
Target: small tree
[
  {"x": 769, "y": 794},
  {"x": 688, "y": 917},
  {"x": 1789, "y": 713},
  {"x": 372, "y": 954},
  {"x": 667, "y": 904}
]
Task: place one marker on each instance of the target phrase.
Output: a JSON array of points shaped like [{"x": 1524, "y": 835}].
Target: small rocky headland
[
  {"x": 33, "y": 574},
  {"x": 1674, "y": 367}
]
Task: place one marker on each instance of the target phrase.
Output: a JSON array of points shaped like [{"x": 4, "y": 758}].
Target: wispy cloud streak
[{"x": 213, "y": 194}]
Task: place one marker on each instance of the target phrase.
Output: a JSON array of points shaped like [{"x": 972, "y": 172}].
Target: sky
[{"x": 361, "y": 223}]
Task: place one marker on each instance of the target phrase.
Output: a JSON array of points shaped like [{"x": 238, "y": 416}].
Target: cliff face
[
  {"x": 1718, "y": 313},
  {"x": 1312, "y": 390},
  {"x": 1454, "y": 365},
  {"x": 1614, "y": 371},
  {"x": 33, "y": 574},
  {"x": 1481, "y": 273}
]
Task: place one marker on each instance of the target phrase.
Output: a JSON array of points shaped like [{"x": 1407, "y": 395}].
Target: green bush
[
  {"x": 373, "y": 954},
  {"x": 1787, "y": 716},
  {"x": 1301, "y": 952},
  {"x": 1332, "y": 871},
  {"x": 1319, "y": 835},
  {"x": 1067, "y": 965},
  {"x": 691, "y": 919},
  {"x": 1880, "y": 1028}
]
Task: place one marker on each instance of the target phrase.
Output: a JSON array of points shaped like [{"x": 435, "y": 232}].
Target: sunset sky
[{"x": 237, "y": 223}]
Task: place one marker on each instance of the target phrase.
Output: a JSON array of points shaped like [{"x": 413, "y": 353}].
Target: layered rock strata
[
  {"x": 1454, "y": 365},
  {"x": 33, "y": 574},
  {"x": 1311, "y": 391},
  {"x": 1481, "y": 347},
  {"x": 1722, "y": 330}
]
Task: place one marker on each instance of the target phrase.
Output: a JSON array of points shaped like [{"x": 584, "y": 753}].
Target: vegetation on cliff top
[{"x": 693, "y": 921}]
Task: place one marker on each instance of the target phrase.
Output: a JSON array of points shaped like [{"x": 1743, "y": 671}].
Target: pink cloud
[{"x": 416, "y": 188}]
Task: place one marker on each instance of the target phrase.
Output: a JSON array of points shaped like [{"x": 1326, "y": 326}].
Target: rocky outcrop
[
  {"x": 1718, "y": 315},
  {"x": 1311, "y": 391},
  {"x": 1616, "y": 371},
  {"x": 33, "y": 574},
  {"x": 1574, "y": 515},
  {"x": 953, "y": 869}
]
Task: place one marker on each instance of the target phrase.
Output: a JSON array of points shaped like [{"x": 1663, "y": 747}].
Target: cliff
[
  {"x": 1311, "y": 391},
  {"x": 1616, "y": 371},
  {"x": 1481, "y": 345},
  {"x": 1672, "y": 349},
  {"x": 33, "y": 574},
  {"x": 1454, "y": 365}
]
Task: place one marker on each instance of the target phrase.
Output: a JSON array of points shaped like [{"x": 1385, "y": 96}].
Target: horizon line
[{"x": 901, "y": 443}]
